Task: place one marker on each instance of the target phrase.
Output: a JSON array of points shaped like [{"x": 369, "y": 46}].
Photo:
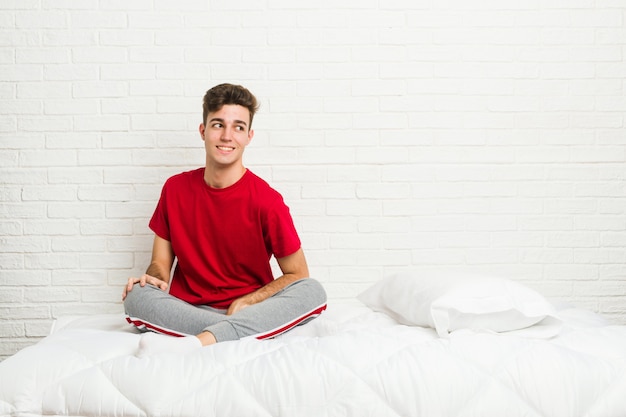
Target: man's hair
[{"x": 224, "y": 94}]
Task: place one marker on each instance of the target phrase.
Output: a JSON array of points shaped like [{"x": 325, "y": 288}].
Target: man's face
[{"x": 226, "y": 134}]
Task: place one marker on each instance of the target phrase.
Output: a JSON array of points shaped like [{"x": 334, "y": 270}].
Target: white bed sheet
[{"x": 350, "y": 361}]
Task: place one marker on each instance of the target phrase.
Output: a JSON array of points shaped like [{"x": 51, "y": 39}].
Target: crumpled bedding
[{"x": 350, "y": 361}]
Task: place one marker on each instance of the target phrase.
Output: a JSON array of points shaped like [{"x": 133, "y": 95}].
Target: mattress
[{"x": 351, "y": 361}]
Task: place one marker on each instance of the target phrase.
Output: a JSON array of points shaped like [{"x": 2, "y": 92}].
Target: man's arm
[
  {"x": 293, "y": 267},
  {"x": 158, "y": 272},
  {"x": 162, "y": 259}
]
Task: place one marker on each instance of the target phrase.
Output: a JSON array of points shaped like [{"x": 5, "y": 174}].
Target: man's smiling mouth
[{"x": 226, "y": 148}]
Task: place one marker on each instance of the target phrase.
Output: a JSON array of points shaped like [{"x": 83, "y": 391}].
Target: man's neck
[{"x": 216, "y": 177}]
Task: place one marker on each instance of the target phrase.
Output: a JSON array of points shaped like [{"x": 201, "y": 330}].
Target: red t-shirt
[{"x": 223, "y": 238}]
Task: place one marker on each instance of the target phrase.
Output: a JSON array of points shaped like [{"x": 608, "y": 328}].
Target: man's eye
[{"x": 217, "y": 125}]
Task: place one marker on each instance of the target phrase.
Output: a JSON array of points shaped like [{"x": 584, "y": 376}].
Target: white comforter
[{"x": 348, "y": 362}]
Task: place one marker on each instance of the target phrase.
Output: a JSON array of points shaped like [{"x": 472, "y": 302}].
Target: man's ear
[
  {"x": 250, "y": 135},
  {"x": 201, "y": 130}
]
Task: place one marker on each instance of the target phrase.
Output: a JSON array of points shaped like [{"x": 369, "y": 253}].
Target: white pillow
[{"x": 447, "y": 303}]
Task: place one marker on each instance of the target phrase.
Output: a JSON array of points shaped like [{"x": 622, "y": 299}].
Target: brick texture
[{"x": 472, "y": 136}]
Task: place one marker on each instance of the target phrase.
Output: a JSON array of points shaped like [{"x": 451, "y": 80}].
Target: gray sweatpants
[{"x": 149, "y": 308}]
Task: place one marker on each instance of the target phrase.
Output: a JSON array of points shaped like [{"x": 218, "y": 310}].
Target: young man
[{"x": 222, "y": 224}]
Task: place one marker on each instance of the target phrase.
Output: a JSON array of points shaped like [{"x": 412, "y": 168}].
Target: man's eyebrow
[{"x": 239, "y": 122}]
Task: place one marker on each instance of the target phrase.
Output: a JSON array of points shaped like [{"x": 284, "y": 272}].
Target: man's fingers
[
  {"x": 129, "y": 286},
  {"x": 149, "y": 279},
  {"x": 143, "y": 280}
]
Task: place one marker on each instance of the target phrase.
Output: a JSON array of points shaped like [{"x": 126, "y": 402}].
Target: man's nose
[{"x": 227, "y": 134}]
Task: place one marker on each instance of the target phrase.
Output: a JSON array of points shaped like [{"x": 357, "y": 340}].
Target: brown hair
[{"x": 223, "y": 94}]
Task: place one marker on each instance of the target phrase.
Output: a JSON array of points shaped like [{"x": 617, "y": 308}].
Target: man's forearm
[
  {"x": 263, "y": 293},
  {"x": 273, "y": 287},
  {"x": 293, "y": 267},
  {"x": 158, "y": 271}
]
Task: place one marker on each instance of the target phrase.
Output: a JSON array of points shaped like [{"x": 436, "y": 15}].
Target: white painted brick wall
[{"x": 480, "y": 136}]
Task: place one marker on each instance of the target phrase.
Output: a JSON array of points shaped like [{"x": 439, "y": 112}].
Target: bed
[{"x": 407, "y": 346}]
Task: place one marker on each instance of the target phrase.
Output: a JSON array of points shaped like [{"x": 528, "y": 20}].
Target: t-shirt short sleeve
[{"x": 282, "y": 234}]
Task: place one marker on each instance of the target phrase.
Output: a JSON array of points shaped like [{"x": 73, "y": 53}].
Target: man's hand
[
  {"x": 142, "y": 281},
  {"x": 293, "y": 267},
  {"x": 239, "y": 304}
]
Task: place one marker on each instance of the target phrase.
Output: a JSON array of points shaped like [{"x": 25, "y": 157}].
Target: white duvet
[{"x": 350, "y": 361}]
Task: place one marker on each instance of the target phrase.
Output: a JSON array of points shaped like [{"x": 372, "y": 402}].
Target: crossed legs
[{"x": 149, "y": 308}]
